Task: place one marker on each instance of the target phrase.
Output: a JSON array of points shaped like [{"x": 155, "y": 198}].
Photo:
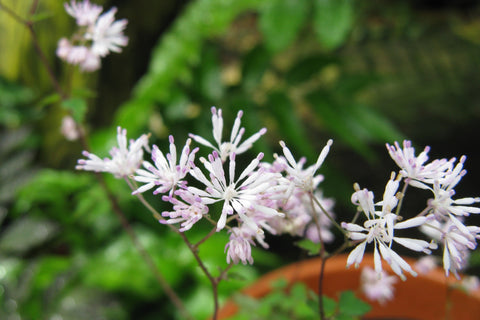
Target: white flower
[
  {"x": 425, "y": 264},
  {"x": 239, "y": 247},
  {"x": 238, "y": 194},
  {"x": 414, "y": 167},
  {"x": 300, "y": 177},
  {"x": 443, "y": 204},
  {"x": 69, "y": 129},
  {"x": 125, "y": 160},
  {"x": 457, "y": 240},
  {"x": 470, "y": 283},
  {"x": 107, "y": 34},
  {"x": 166, "y": 175},
  {"x": 377, "y": 286},
  {"x": 188, "y": 212},
  {"x": 84, "y": 12},
  {"x": 224, "y": 149},
  {"x": 97, "y": 36},
  {"x": 379, "y": 230}
]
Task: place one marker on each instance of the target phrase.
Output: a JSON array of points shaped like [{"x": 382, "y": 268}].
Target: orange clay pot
[{"x": 426, "y": 297}]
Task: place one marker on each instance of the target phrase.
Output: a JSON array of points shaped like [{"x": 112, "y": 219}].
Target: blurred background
[{"x": 360, "y": 72}]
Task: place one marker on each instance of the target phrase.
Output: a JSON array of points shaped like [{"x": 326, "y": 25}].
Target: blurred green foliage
[{"x": 360, "y": 73}]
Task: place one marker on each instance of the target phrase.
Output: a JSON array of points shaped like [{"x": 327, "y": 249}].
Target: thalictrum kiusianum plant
[{"x": 278, "y": 197}]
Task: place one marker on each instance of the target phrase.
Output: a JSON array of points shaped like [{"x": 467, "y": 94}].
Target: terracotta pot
[{"x": 425, "y": 297}]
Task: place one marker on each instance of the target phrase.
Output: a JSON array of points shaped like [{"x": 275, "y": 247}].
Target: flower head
[
  {"x": 165, "y": 175},
  {"x": 239, "y": 247},
  {"x": 187, "y": 211},
  {"x": 239, "y": 195},
  {"x": 84, "y": 12},
  {"x": 379, "y": 229},
  {"x": 125, "y": 159},
  {"x": 304, "y": 179},
  {"x": 107, "y": 34},
  {"x": 98, "y": 35},
  {"x": 377, "y": 286},
  {"x": 225, "y": 148},
  {"x": 413, "y": 167}
]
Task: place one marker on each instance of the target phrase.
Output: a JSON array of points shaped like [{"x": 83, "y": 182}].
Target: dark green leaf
[
  {"x": 329, "y": 306},
  {"x": 280, "y": 21},
  {"x": 350, "y": 305},
  {"x": 292, "y": 128},
  {"x": 333, "y": 21},
  {"x": 77, "y": 107},
  {"x": 255, "y": 64},
  {"x": 311, "y": 247},
  {"x": 306, "y": 68}
]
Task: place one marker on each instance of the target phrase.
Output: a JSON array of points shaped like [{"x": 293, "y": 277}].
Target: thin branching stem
[{"x": 214, "y": 281}]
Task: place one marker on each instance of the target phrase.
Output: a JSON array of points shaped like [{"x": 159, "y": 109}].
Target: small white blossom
[
  {"x": 470, "y": 283},
  {"x": 69, "y": 129},
  {"x": 442, "y": 204},
  {"x": 457, "y": 240},
  {"x": 166, "y": 174},
  {"x": 238, "y": 194},
  {"x": 413, "y": 168},
  {"x": 425, "y": 264},
  {"x": 300, "y": 177},
  {"x": 98, "y": 35},
  {"x": 239, "y": 247},
  {"x": 224, "y": 149},
  {"x": 124, "y": 159},
  {"x": 379, "y": 230},
  {"x": 187, "y": 212},
  {"x": 107, "y": 34},
  {"x": 84, "y": 12},
  {"x": 377, "y": 286}
]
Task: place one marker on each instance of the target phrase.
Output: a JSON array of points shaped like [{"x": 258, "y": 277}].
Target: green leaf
[
  {"x": 293, "y": 130},
  {"x": 339, "y": 119},
  {"x": 333, "y": 21},
  {"x": 77, "y": 107},
  {"x": 307, "y": 67},
  {"x": 48, "y": 100},
  {"x": 255, "y": 64},
  {"x": 329, "y": 306},
  {"x": 280, "y": 21},
  {"x": 311, "y": 247},
  {"x": 350, "y": 305}
]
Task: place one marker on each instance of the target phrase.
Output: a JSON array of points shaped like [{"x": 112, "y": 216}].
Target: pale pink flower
[
  {"x": 379, "y": 229},
  {"x": 84, "y": 12},
  {"x": 425, "y": 264},
  {"x": 377, "y": 286},
  {"x": 225, "y": 148},
  {"x": 414, "y": 168},
  {"x": 107, "y": 34},
  {"x": 69, "y": 129},
  {"x": 187, "y": 211},
  {"x": 442, "y": 204},
  {"x": 97, "y": 36},
  {"x": 165, "y": 175},
  {"x": 239, "y": 247},
  {"x": 125, "y": 159},
  {"x": 470, "y": 283},
  {"x": 457, "y": 240},
  {"x": 303, "y": 178},
  {"x": 238, "y": 194}
]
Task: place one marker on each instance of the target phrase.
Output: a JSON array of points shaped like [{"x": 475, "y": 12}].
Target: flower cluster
[
  {"x": 284, "y": 197},
  {"x": 98, "y": 35},
  {"x": 442, "y": 219}
]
